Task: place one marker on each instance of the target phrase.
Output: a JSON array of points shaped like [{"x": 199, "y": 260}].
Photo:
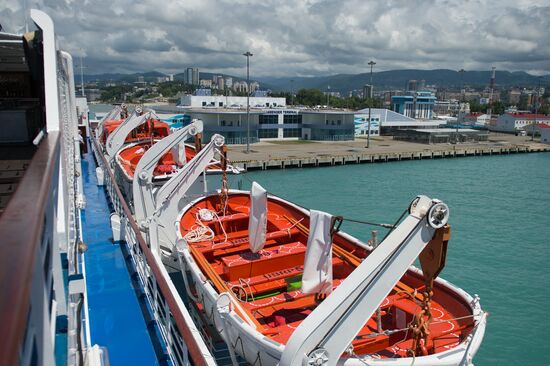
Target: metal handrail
[
  {"x": 21, "y": 227},
  {"x": 182, "y": 326}
]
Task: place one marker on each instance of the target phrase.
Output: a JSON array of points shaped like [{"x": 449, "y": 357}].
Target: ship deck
[{"x": 118, "y": 315}]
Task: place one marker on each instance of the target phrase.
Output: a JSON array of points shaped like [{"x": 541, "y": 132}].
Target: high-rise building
[
  {"x": 229, "y": 82},
  {"x": 192, "y": 76},
  {"x": 221, "y": 83},
  {"x": 367, "y": 91}
]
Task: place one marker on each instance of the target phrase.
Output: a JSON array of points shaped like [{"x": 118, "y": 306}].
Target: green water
[{"x": 500, "y": 245}]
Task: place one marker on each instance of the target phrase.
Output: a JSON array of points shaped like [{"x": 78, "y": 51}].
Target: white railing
[{"x": 181, "y": 337}]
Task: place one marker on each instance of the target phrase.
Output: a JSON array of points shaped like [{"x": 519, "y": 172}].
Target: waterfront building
[
  {"x": 441, "y": 135},
  {"x": 221, "y": 101},
  {"x": 476, "y": 118},
  {"x": 418, "y": 105},
  {"x": 221, "y": 82},
  {"x": 514, "y": 122},
  {"x": 545, "y": 135},
  {"x": 386, "y": 122},
  {"x": 270, "y": 123}
]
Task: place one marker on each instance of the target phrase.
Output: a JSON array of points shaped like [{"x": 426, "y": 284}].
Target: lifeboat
[
  {"x": 164, "y": 161},
  {"x": 259, "y": 300},
  {"x": 282, "y": 285}
]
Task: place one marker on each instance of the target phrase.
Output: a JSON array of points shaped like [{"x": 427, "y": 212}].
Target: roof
[
  {"x": 529, "y": 115},
  {"x": 387, "y": 115},
  {"x": 542, "y": 125}
]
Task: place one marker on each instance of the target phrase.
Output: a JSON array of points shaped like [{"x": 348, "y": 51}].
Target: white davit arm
[
  {"x": 167, "y": 198},
  {"x": 142, "y": 185},
  {"x": 116, "y": 139},
  {"x": 329, "y": 330},
  {"x": 115, "y": 112}
]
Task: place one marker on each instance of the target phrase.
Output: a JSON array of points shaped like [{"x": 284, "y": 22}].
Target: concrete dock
[{"x": 297, "y": 154}]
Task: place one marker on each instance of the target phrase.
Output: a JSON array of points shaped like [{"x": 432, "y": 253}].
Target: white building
[
  {"x": 229, "y": 82},
  {"x": 205, "y": 83},
  {"x": 220, "y": 101},
  {"x": 385, "y": 121},
  {"x": 545, "y": 135},
  {"x": 513, "y": 122},
  {"x": 476, "y": 118}
]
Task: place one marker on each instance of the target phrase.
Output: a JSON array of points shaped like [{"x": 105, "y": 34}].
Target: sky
[{"x": 296, "y": 37}]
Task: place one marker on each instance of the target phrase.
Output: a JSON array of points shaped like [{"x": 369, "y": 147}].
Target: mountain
[
  {"x": 147, "y": 76},
  {"x": 398, "y": 79},
  {"x": 394, "y": 79}
]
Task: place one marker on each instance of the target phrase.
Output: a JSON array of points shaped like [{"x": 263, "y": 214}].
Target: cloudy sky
[{"x": 297, "y": 37}]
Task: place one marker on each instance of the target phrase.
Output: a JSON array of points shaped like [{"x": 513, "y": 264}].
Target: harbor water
[{"x": 500, "y": 243}]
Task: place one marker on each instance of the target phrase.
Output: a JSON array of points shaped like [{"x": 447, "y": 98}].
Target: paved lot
[{"x": 303, "y": 149}]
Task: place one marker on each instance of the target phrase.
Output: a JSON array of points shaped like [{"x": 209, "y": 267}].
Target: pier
[{"x": 298, "y": 154}]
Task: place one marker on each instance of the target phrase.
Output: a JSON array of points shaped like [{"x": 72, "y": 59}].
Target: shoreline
[{"x": 301, "y": 154}]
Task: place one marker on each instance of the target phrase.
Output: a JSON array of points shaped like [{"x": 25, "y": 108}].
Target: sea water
[{"x": 500, "y": 242}]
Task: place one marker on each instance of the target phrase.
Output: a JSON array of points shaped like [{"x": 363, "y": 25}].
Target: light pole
[
  {"x": 248, "y": 55},
  {"x": 461, "y": 72},
  {"x": 291, "y": 91},
  {"x": 371, "y": 64},
  {"x": 537, "y": 106}
]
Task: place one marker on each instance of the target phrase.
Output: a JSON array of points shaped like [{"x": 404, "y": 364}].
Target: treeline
[{"x": 315, "y": 97}]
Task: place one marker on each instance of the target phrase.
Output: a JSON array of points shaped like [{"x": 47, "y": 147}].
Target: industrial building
[
  {"x": 385, "y": 122},
  {"x": 441, "y": 135}
]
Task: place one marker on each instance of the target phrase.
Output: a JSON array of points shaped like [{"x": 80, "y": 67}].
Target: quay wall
[{"x": 381, "y": 157}]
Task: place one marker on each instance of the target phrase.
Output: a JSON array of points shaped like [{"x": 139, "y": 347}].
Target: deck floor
[{"x": 117, "y": 321}]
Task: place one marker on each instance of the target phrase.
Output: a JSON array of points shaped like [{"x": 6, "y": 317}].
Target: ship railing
[
  {"x": 181, "y": 337},
  {"x": 31, "y": 301}
]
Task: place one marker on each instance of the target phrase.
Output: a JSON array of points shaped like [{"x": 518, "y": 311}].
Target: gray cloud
[{"x": 293, "y": 37}]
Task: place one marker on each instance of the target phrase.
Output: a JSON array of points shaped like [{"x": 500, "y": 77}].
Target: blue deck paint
[{"x": 116, "y": 319}]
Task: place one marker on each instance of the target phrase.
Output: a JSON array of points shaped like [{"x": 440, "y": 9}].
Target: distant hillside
[
  {"x": 148, "y": 76},
  {"x": 399, "y": 78},
  {"x": 345, "y": 82}
]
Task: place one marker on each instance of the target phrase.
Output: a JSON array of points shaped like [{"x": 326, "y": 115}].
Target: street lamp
[
  {"x": 461, "y": 72},
  {"x": 371, "y": 64},
  {"x": 291, "y": 91},
  {"x": 248, "y": 55},
  {"x": 537, "y": 106}
]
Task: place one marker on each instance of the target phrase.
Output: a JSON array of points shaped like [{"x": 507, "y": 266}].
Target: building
[
  {"x": 367, "y": 91},
  {"x": 240, "y": 86},
  {"x": 191, "y": 76},
  {"x": 545, "y": 135},
  {"x": 514, "y": 122},
  {"x": 386, "y": 122},
  {"x": 229, "y": 82},
  {"x": 418, "y": 105},
  {"x": 476, "y": 118},
  {"x": 415, "y": 85},
  {"x": 441, "y": 135},
  {"x": 271, "y": 123},
  {"x": 449, "y": 107},
  {"x": 221, "y": 101},
  {"x": 221, "y": 83},
  {"x": 205, "y": 83}
]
